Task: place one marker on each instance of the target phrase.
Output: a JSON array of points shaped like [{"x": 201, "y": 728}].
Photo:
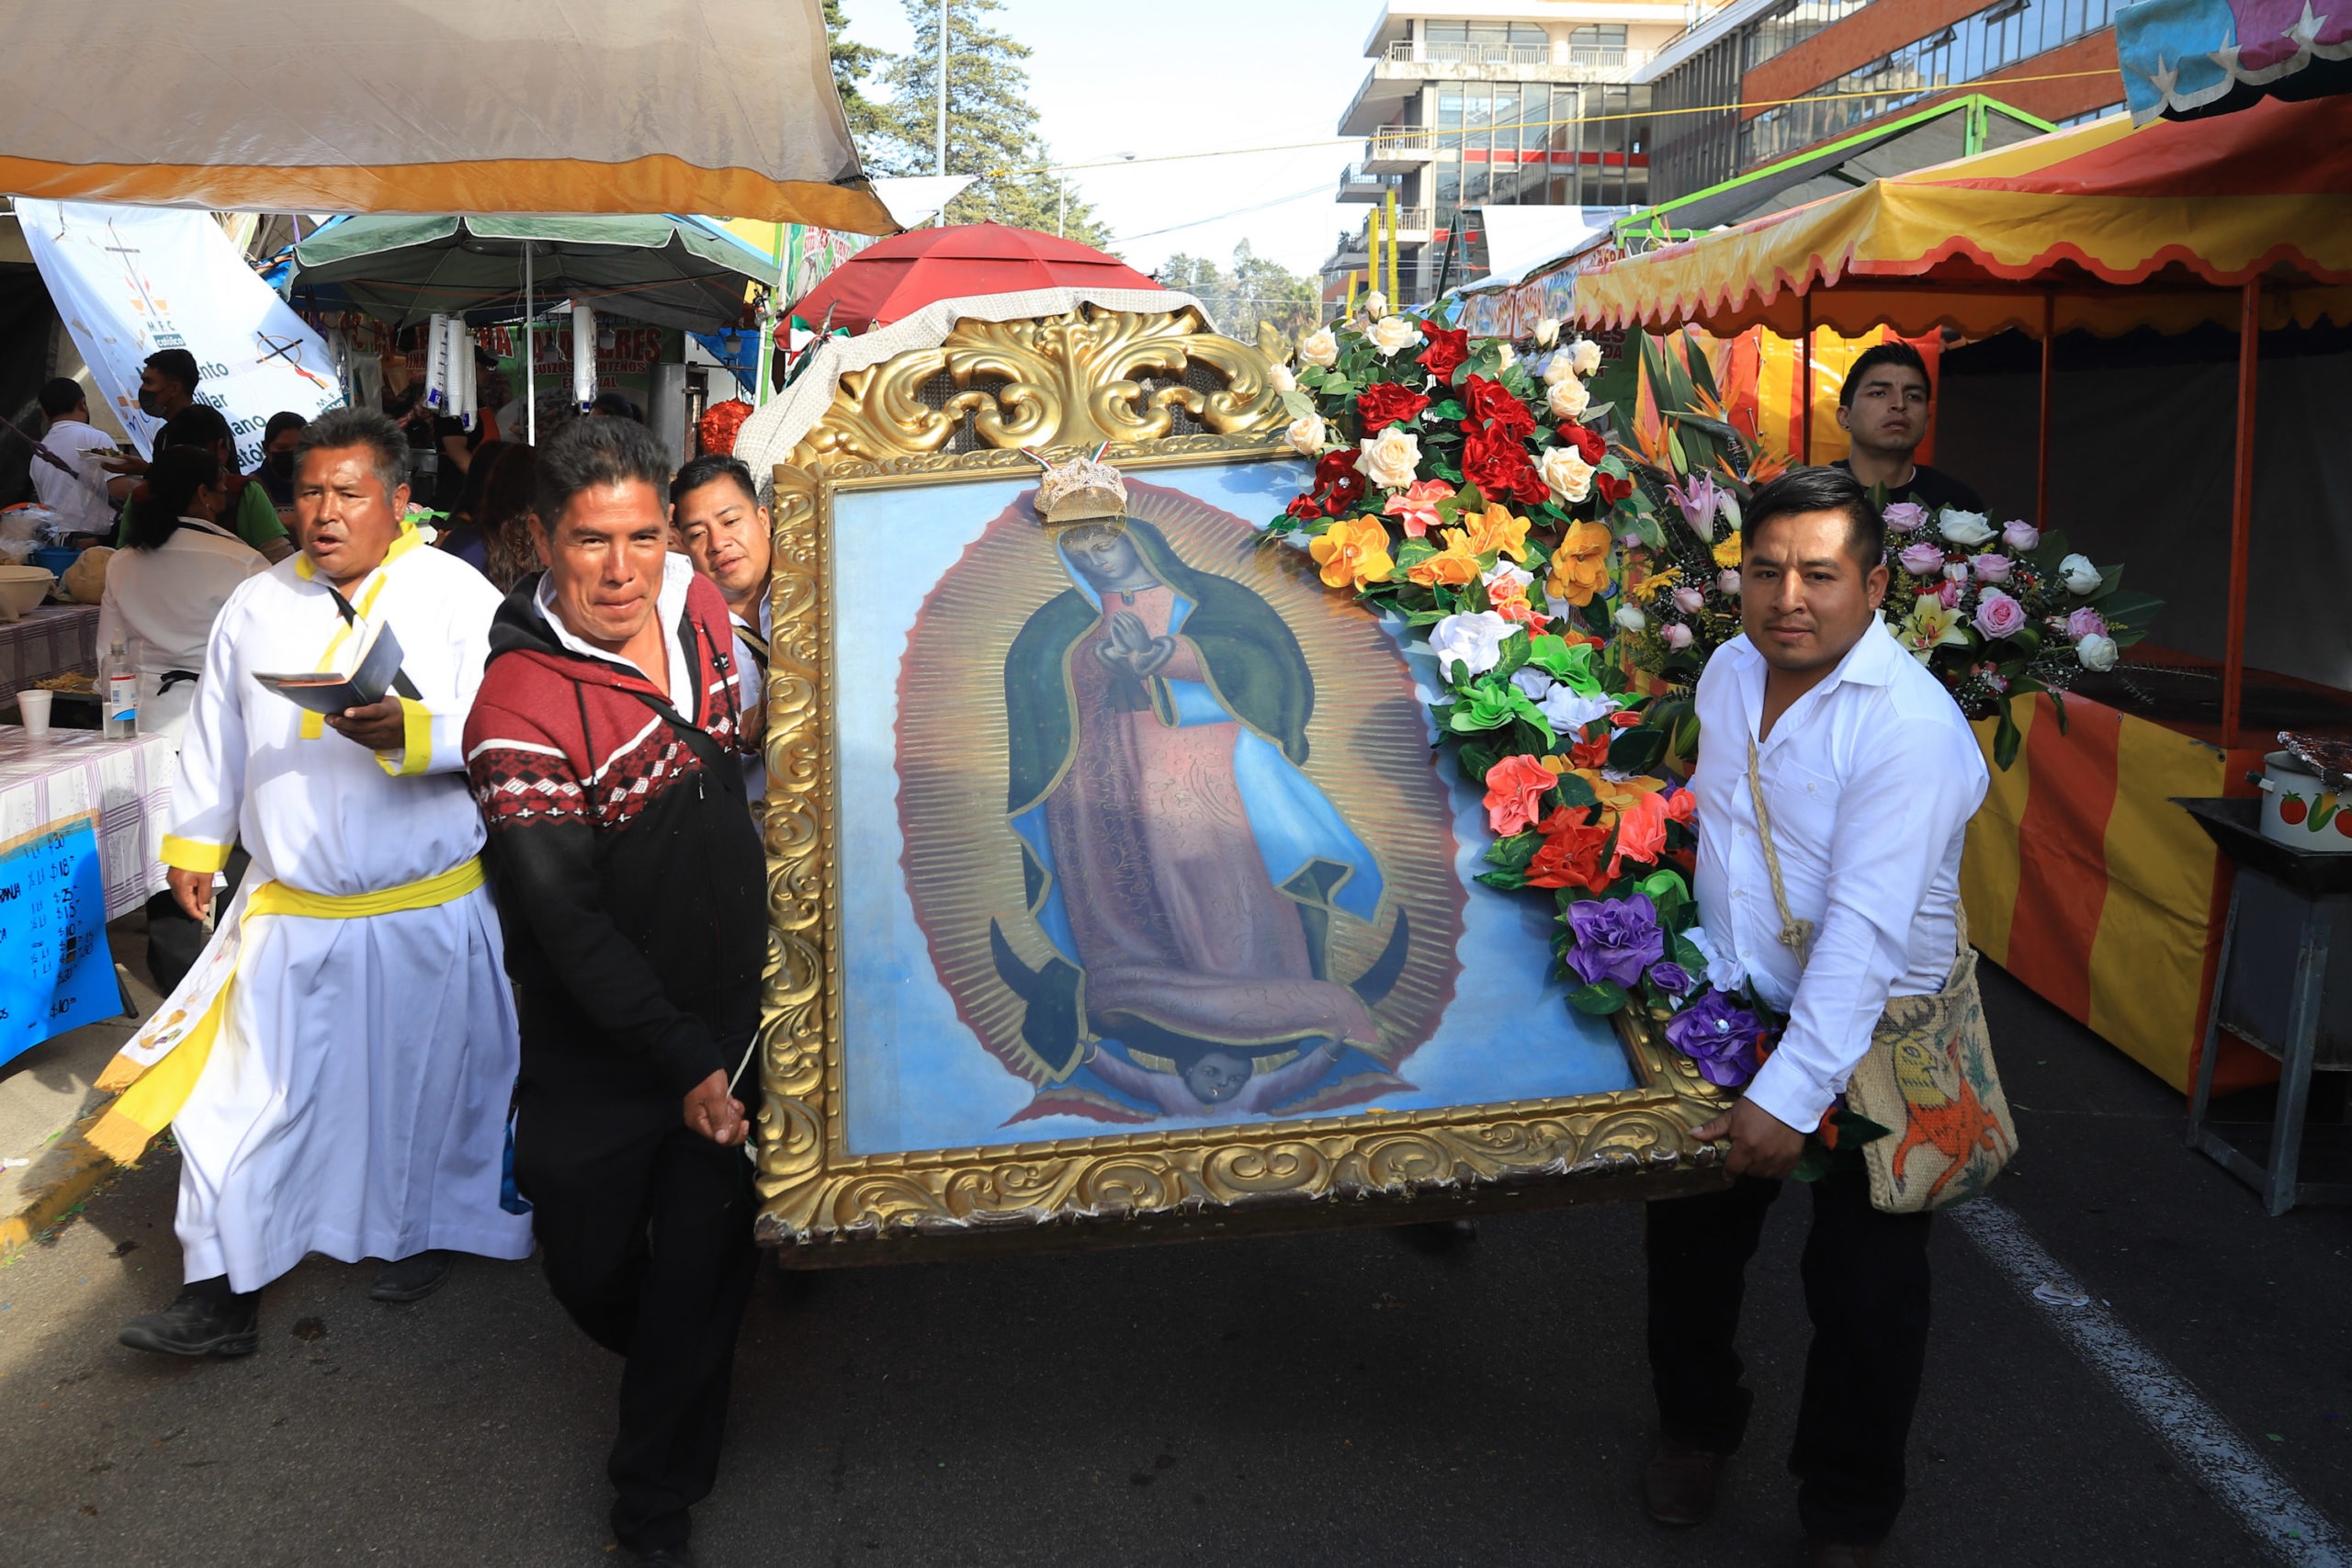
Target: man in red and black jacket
[{"x": 604, "y": 750}]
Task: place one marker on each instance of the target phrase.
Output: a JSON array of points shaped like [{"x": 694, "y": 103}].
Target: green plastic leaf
[
  {"x": 1601, "y": 998},
  {"x": 1637, "y": 751},
  {"x": 1554, "y": 656},
  {"x": 1450, "y": 408},
  {"x": 1575, "y": 791},
  {"x": 1297, "y": 404}
]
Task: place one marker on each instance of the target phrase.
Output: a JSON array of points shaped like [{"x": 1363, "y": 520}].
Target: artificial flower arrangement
[{"x": 1468, "y": 493}]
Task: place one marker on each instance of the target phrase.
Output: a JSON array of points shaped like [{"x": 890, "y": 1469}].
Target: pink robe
[{"x": 1175, "y": 919}]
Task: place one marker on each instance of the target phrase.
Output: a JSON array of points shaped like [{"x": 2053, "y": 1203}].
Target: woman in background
[
  {"x": 463, "y": 537},
  {"x": 509, "y": 552}
]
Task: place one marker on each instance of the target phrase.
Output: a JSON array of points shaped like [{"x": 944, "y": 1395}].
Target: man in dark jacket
[{"x": 602, "y": 749}]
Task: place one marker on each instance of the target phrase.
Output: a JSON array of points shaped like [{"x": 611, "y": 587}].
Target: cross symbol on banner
[{"x": 290, "y": 349}]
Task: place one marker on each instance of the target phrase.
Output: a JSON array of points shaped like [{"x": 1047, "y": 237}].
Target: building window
[
  {"x": 1485, "y": 43},
  {"x": 1792, "y": 23},
  {"x": 1994, "y": 39},
  {"x": 1602, "y": 44}
]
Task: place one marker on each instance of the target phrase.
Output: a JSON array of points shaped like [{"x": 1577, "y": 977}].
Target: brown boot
[
  {"x": 1838, "y": 1554},
  {"x": 1680, "y": 1482}
]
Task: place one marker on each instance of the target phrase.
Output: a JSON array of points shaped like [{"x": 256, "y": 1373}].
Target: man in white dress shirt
[
  {"x": 1869, "y": 775},
  {"x": 80, "y": 493},
  {"x": 337, "y": 1068}
]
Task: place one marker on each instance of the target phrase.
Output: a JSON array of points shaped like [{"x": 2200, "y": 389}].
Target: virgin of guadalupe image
[{"x": 1184, "y": 869}]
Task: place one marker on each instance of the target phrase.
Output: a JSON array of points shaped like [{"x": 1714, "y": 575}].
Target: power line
[{"x": 1257, "y": 207}]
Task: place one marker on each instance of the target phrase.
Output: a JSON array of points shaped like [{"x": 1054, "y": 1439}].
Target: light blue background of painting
[{"x": 916, "y": 1076}]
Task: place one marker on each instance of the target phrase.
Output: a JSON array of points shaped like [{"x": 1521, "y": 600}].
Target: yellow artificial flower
[
  {"x": 1642, "y": 583},
  {"x": 1353, "y": 552},
  {"x": 1497, "y": 532},
  {"x": 1455, "y": 565},
  {"x": 1728, "y": 551},
  {"x": 1580, "y": 566},
  {"x": 1929, "y": 626}
]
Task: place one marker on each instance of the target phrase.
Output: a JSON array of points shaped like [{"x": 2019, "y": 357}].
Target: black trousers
[
  {"x": 174, "y": 941},
  {"x": 1866, "y": 1289},
  {"x": 645, "y": 1232}
]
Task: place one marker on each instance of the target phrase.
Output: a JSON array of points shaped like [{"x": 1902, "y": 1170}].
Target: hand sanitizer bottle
[{"x": 118, "y": 688}]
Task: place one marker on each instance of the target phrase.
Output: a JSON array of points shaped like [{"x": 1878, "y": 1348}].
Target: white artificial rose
[
  {"x": 1584, "y": 357},
  {"x": 1475, "y": 640},
  {"x": 1305, "y": 435},
  {"x": 1725, "y": 971},
  {"x": 1547, "y": 332},
  {"x": 2096, "y": 652},
  {"x": 1514, "y": 579},
  {"x": 1320, "y": 348},
  {"x": 1567, "y": 713},
  {"x": 1505, "y": 356},
  {"x": 1567, "y": 397},
  {"x": 1390, "y": 333},
  {"x": 1391, "y": 459},
  {"x": 1633, "y": 620},
  {"x": 1282, "y": 379},
  {"x": 1532, "y": 681},
  {"x": 1966, "y": 529},
  {"x": 1566, "y": 474},
  {"x": 1559, "y": 368},
  {"x": 1375, "y": 305},
  {"x": 2079, "y": 574}
]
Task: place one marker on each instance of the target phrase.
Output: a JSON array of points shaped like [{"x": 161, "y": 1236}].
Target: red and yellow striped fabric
[{"x": 2084, "y": 881}]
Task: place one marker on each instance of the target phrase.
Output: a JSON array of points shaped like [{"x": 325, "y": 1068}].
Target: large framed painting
[{"x": 1119, "y": 891}]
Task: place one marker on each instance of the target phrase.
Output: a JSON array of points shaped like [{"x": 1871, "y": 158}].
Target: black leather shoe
[
  {"x": 678, "y": 1556},
  {"x": 1680, "y": 1485},
  {"x": 200, "y": 1323},
  {"x": 411, "y": 1279}
]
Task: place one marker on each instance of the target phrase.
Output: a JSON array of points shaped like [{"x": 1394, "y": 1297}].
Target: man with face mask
[
  {"x": 276, "y": 475},
  {"x": 166, "y": 385}
]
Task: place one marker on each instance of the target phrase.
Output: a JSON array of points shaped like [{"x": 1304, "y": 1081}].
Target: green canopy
[{"x": 665, "y": 271}]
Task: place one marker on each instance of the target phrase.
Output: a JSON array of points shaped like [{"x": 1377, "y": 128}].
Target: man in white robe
[{"x": 337, "y": 1068}]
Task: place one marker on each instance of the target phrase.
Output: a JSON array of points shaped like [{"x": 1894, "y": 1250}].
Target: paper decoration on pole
[{"x": 583, "y": 355}]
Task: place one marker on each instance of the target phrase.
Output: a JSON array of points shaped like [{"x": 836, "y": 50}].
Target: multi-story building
[
  {"x": 1477, "y": 103},
  {"x": 1754, "y": 81}
]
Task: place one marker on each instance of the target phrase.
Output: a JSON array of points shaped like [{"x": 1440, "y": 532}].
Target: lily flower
[{"x": 1931, "y": 624}]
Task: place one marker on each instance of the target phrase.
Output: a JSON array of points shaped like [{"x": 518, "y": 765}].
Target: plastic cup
[{"x": 32, "y": 707}]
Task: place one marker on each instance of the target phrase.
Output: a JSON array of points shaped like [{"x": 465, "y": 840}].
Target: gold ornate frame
[{"x": 1067, "y": 381}]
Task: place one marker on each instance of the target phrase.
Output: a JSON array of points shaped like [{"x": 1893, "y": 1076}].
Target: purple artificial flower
[
  {"x": 1699, "y": 501},
  {"x": 1922, "y": 559},
  {"x": 1670, "y": 977},
  {"x": 1719, "y": 1035},
  {"x": 1990, "y": 568},
  {"x": 2085, "y": 622},
  {"x": 1905, "y": 516},
  {"x": 1999, "y": 615},
  {"x": 1616, "y": 938}
]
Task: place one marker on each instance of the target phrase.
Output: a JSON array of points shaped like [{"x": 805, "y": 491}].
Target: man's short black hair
[
  {"x": 198, "y": 424},
  {"x": 1894, "y": 353},
  {"x": 1801, "y": 490},
  {"x": 709, "y": 469},
  {"x": 61, "y": 396},
  {"x": 588, "y": 453},
  {"x": 338, "y": 428},
  {"x": 178, "y": 365}
]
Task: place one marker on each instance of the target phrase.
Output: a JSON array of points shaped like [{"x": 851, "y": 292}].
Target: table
[
  {"x": 49, "y": 639},
  {"x": 2276, "y": 979},
  {"x": 127, "y": 783}
]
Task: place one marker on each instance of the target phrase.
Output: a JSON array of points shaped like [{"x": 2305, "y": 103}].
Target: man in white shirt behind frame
[{"x": 1869, "y": 775}]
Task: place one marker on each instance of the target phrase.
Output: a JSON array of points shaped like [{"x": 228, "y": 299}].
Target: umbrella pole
[
  {"x": 530, "y": 355},
  {"x": 2041, "y": 428},
  {"x": 1804, "y": 377},
  {"x": 2241, "y": 510}
]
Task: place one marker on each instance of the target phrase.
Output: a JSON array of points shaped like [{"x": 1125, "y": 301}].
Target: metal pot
[{"x": 2300, "y": 810}]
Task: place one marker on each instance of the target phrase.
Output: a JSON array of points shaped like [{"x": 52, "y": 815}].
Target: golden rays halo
[{"x": 1367, "y": 751}]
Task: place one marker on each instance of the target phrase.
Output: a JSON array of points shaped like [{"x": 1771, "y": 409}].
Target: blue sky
[{"x": 1239, "y": 73}]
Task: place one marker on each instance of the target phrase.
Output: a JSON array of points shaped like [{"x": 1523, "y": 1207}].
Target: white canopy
[{"x": 434, "y": 105}]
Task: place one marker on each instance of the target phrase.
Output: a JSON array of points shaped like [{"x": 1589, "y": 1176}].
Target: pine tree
[
  {"x": 1257, "y": 289},
  {"x": 992, "y": 129},
  {"x": 853, "y": 62}
]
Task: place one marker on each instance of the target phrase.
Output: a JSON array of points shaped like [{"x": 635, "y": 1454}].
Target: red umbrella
[{"x": 899, "y": 276}]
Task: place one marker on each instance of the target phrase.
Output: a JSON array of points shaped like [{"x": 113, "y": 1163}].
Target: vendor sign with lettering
[{"x": 56, "y": 972}]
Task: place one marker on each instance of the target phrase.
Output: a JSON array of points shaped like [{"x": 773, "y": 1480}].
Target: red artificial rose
[
  {"x": 1306, "y": 508},
  {"x": 1587, "y": 443},
  {"x": 1495, "y": 407},
  {"x": 1444, "y": 352},
  {"x": 1570, "y": 855},
  {"x": 1384, "y": 403},
  {"x": 1611, "y": 489},
  {"x": 1337, "y": 483},
  {"x": 1498, "y": 463}
]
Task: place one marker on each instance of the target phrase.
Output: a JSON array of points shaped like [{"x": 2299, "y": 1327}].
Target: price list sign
[{"x": 56, "y": 973}]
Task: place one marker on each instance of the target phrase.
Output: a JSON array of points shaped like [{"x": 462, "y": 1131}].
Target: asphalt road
[{"x": 1330, "y": 1399}]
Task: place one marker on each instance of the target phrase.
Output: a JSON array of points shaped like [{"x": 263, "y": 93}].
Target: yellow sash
[{"x": 153, "y": 1087}]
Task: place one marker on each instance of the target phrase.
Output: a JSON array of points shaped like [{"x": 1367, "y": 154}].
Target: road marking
[{"x": 2271, "y": 1509}]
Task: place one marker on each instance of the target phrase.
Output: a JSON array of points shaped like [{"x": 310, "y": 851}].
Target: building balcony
[
  {"x": 1399, "y": 149},
  {"x": 1359, "y": 183},
  {"x": 1413, "y": 226},
  {"x": 1400, "y": 71}
]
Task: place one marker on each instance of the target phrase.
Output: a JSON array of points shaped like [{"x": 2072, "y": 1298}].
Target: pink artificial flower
[
  {"x": 2085, "y": 622},
  {"x": 1999, "y": 615},
  {"x": 1417, "y": 504},
  {"x": 1689, "y": 601},
  {"x": 1956, "y": 572},
  {"x": 1676, "y": 634},
  {"x": 1922, "y": 559},
  {"x": 1948, "y": 594},
  {"x": 1905, "y": 516},
  {"x": 2020, "y": 536},
  {"x": 1990, "y": 568},
  {"x": 1727, "y": 583}
]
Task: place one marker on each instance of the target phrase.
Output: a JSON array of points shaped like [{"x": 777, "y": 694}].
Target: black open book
[{"x": 323, "y": 691}]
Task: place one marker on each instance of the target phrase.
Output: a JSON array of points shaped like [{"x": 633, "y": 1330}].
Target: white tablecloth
[
  {"x": 49, "y": 638},
  {"x": 127, "y": 783}
]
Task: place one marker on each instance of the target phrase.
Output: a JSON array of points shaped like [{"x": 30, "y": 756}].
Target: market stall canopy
[
  {"x": 899, "y": 276},
  {"x": 669, "y": 272},
  {"x": 434, "y": 105},
  {"x": 2117, "y": 228},
  {"x": 2185, "y": 58}
]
